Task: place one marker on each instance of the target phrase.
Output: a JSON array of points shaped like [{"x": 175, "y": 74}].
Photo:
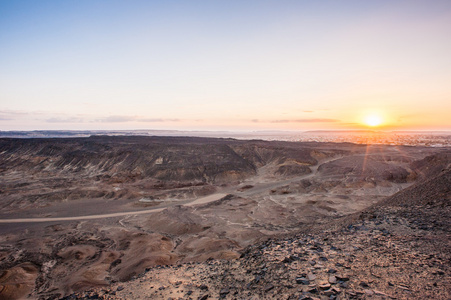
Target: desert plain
[{"x": 207, "y": 218}]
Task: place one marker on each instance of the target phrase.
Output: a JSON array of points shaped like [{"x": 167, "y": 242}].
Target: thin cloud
[
  {"x": 306, "y": 121},
  {"x": 123, "y": 119},
  {"x": 117, "y": 119},
  {"x": 346, "y": 124},
  {"x": 13, "y": 112},
  {"x": 157, "y": 120},
  {"x": 67, "y": 120},
  {"x": 9, "y": 115},
  {"x": 307, "y": 111}
]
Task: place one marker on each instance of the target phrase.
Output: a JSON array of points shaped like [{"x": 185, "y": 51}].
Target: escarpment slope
[{"x": 395, "y": 249}]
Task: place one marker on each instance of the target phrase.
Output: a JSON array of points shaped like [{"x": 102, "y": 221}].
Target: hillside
[
  {"x": 93, "y": 213},
  {"x": 397, "y": 249}
]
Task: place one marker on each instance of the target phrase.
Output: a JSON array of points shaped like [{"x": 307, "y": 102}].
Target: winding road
[
  {"x": 257, "y": 189},
  {"x": 201, "y": 200}
]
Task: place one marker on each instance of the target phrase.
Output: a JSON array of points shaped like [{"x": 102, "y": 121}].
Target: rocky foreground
[{"x": 397, "y": 249}]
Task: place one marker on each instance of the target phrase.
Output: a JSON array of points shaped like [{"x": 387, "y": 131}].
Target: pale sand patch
[
  {"x": 201, "y": 200},
  {"x": 207, "y": 199}
]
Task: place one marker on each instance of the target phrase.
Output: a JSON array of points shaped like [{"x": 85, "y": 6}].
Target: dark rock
[
  {"x": 257, "y": 279},
  {"x": 119, "y": 288},
  {"x": 329, "y": 292},
  {"x": 289, "y": 259},
  {"x": 342, "y": 277},
  {"x": 224, "y": 291},
  {"x": 268, "y": 287},
  {"x": 302, "y": 280}
]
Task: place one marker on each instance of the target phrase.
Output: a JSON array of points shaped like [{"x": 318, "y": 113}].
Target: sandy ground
[{"x": 202, "y": 200}]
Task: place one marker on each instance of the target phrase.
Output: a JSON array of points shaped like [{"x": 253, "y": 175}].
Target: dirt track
[{"x": 202, "y": 200}]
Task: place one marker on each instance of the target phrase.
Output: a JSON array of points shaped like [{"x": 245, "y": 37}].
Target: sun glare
[{"x": 373, "y": 120}]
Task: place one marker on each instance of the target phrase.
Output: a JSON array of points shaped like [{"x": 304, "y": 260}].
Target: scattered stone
[
  {"x": 268, "y": 287},
  {"x": 329, "y": 292},
  {"x": 289, "y": 259},
  {"x": 311, "y": 276},
  {"x": 403, "y": 287},
  {"x": 381, "y": 293},
  {"x": 324, "y": 286},
  {"x": 343, "y": 285},
  {"x": 119, "y": 288},
  {"x": 224, "y": 292},
  {"x": 368, "y": 292},
  {"x": 342, "y": 277},
  {"x": 302, "y": 280},
  {"x": 332, "y": 279}
]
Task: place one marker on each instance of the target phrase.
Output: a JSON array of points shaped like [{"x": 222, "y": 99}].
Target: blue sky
[{"x": 239, "y": 65}]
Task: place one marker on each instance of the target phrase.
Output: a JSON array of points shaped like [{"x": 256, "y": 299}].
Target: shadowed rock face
[
  {"x": 432, "y": 165},
  {"x": 365, "y": 168},
  {"x": 435, "y": 192},
  {"x": 171, "y": 160}
]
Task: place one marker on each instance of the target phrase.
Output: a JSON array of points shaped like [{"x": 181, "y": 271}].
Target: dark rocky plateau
[{"x": 201, "y": 218}]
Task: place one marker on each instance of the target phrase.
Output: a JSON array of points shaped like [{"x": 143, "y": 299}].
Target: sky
[{"x": 225, "y": 65}]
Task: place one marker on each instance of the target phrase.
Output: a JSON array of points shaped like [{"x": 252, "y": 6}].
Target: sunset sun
[{"x": 373, "y": 120}]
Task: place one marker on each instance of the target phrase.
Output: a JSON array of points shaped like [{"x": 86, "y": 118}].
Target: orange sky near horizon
[{"x": 231, "y": 65}]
